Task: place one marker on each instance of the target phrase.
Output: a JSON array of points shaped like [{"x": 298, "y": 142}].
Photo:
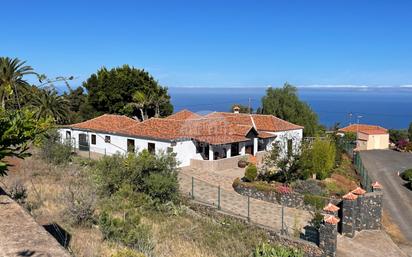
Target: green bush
[
  {"x": 334, "y": 188},
  {"x": 319, "y": 158},
  {"x": 126, "y": 228},
  {"x": 268, "y": 250},
  {"x": 53, "y": 150},
  {"x": 314, "y": 200},
  {"x": 309, "y": 186},
  {"x": 155, "y": 175},
  {"x": 251, "y": 173},
  {"x": 162, "y": 187},
  {"x": 407, "y": 175}
]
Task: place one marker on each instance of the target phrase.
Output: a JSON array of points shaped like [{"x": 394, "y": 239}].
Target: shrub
[
  {"x": 155, "y": 175},
  {"x": 314, "y": 200},
  {"x": 401, "y": 144},
  {"x": 408, "y": 147},
  {"x": 18, "y": 191},
  {"x": 309, "y": 186},
  {"x": 334, "y": 188},
  {"x": 316, "y": 220},
  {"x": 283, "y": 189},
  {"x": 79, "y": 199},
  {"x": 53, "y": 150},
  {"x": 407, "y": 175},
  {"x": 127, "y": 229},
  {"x": 319, "y": 159},
  {"x": 162, "y": 187},
  {"x": 251, "y": 173},
  {"x": 268, "y": 250}
]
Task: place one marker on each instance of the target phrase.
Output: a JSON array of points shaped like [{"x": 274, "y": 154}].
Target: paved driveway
[{"x": 383, "y": 166}]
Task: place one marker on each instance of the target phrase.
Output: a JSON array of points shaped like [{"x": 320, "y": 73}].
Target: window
[
  {"x": 151, "y": 147},
  {"x": 290, "y": 147},
  {"x": 130, "y": 145},
  {"x": 68, "y": 135},
  {"x": 107, "y": 139},
  {"x": 93, "y": 139}
]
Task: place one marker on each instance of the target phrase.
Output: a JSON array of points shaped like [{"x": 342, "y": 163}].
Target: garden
[
  {"x": 126, "y": 206},
  {"x": 309, "y": 178}
]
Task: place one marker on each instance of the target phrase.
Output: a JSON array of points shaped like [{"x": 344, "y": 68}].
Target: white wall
[
  {"x": 283, "y": 137},
  {"x": 184, "y": 150}
]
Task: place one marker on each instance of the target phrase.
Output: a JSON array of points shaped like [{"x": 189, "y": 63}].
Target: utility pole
[
  {"x": 350, "y": 118},
  {"x": 250, "y": 105},
  {"x": 357, "y": 129}
]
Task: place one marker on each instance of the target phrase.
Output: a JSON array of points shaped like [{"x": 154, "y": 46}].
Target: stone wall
[{"x": 292, "y": 199}]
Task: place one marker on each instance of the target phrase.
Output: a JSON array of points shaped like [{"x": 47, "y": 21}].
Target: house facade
[
  {"x": 369, "y": 137},
  {"x": 190, "y": 136}
]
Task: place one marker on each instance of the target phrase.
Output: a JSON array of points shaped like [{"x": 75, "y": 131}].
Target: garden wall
[{"x": 289, "y": 199}]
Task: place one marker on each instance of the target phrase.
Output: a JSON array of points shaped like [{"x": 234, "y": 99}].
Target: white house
[{"x": 208, "y": 138}]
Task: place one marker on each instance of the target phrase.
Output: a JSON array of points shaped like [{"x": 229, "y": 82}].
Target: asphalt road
[{"x": 383, "y": 166}]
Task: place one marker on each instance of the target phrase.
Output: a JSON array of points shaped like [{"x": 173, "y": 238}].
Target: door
[
  {"x": 83, "y": 142},
  {"x": 130, "y": 145},
  {"x": 234, "y": 151},
  {"x": 249, "y": 149}
]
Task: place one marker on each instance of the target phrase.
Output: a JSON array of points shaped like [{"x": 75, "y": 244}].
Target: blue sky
[{"x": 216, "y": 43}]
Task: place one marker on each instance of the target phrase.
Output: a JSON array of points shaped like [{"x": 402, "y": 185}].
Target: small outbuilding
[{"x": 369, "y": 137}]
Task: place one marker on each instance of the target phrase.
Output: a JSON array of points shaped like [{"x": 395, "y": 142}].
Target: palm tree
[
  {"x": 47, "y": 103},
  {"x": 142, "y": 102},
  {"x": 12, "y": 72}
]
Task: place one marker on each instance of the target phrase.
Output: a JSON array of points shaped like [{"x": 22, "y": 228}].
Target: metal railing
[
  {"x": 266, "y": 214},
  {"x": 365, "y": 179}
]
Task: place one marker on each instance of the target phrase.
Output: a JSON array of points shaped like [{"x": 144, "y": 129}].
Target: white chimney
[{"x": 236, "y": 109}]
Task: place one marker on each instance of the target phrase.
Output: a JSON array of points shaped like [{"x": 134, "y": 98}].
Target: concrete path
[
  {"x": 368, "y": 243},
  {"x": 383, "y": 166},
  {"x": 260, "y": 212}
]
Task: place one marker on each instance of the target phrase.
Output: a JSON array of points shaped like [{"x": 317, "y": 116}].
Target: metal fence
[
  {"x": 365, "y": 179},
  {"x": 287, "y": 221}
]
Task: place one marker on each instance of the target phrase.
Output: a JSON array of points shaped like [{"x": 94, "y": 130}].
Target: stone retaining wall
[{"x": 292, "y": 199}]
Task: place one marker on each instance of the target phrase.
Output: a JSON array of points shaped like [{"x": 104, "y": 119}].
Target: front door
[
  {"x": 249, "y": 149},
  {"x": 83, "y": 142}
]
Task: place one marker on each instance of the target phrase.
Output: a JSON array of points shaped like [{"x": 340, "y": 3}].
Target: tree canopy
[
  {"x": 242, "y": 108},
  {"x": 112, "y": 91},
  {"x": 284, "y": 103}
]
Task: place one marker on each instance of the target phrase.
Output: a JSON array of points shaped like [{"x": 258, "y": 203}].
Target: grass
[{"x": 188, "y": 234}]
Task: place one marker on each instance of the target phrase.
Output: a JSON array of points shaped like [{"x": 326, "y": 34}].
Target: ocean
[{"x": 390, "y": 107}]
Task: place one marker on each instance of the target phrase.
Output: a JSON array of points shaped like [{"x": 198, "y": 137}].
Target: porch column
[
  {"x": 229, "y": 152},
  {"x": 255, "y": 146},
  {"x": 242, "y": 148},
  {"x": 210, "y": 153}
]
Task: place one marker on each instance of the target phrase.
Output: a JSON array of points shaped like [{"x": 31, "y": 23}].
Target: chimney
[{"x": 236, "y": 109}]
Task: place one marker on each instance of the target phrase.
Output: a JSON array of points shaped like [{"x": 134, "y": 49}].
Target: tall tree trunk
[{"x": 141, "y": 113}]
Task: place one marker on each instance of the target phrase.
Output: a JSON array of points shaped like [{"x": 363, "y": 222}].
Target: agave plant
[{"x": 12, "y": 72}]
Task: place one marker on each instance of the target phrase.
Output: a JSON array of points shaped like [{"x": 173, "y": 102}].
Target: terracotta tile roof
[
  {"x": 263, "y": 134},
  {"x": 358, "y": 191},
  {"x": 331, "y": 208},
  {"x": 260, "y": 121},
  {"x": 184, "y": 115},
  {"x": 331, "y": 219},
  {"x": 204, "y": 130},
  {"x": 214, "y": 128},
  {"x": 110, "y": 123},
  {"x": 350, "y": 196},
  {"x": 364, "y": 128},
  {"x": 377, "y": 185}
]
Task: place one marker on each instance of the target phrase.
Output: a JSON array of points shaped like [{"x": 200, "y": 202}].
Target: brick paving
[{"x": 261, "y": 212}]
